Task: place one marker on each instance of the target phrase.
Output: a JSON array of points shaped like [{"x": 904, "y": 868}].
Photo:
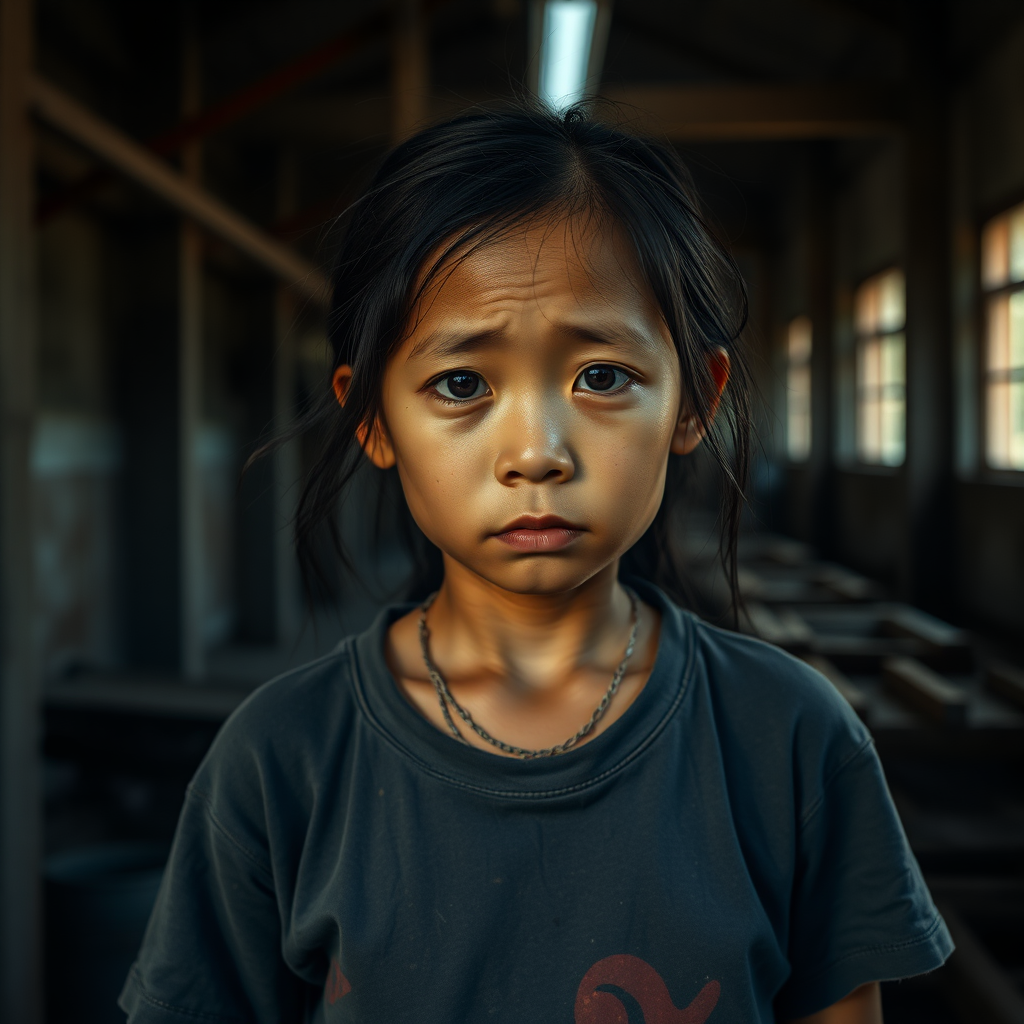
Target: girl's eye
[
  {"x": 602, "y": 378},
  {"x": 461, "y": 386}
]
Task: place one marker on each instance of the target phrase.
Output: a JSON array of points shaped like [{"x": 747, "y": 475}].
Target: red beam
[
  {"x": 252, "y": 97},
  {"x": 234, "y": 107}
]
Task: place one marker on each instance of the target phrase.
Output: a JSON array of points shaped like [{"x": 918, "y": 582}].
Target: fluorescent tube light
[{"x": 566, "y": 40}]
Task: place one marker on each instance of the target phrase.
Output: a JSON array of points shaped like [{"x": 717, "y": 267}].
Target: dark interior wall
[
  {"x": 869, "y": 521},
  {"x": 869, "y": 526},
  {"x": 988, "y": 177},
  {"x": 845, "y": 209},
  {"x": 872, "y": 522},
  {"x": 145, "y": 317},
  {"x": 990, "y": 556},
  {"x": 76, "y": 454},
  {"x": 797, "y": 274}
]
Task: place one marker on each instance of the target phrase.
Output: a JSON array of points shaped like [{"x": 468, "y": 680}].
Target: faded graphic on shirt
[
  {"x": 337, "y": 984},
  {"x": 624, "y": 989},
  {"x": 619, "y": 989}
]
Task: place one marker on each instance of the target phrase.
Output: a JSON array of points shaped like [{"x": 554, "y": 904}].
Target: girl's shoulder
[
  {"x": 284, "y": 729},
  {"x": 764, "y": 677},
  {"x": 753, "y": 690},
  {"x": 775, "y": 715}
]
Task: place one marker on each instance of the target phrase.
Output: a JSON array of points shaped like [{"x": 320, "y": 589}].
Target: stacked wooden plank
[
  {"x": 948, "y": 721},
  {"x": 904, "y": 671}
]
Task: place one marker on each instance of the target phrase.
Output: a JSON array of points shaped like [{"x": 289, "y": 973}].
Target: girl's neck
[{"x": 533, "y": 642}]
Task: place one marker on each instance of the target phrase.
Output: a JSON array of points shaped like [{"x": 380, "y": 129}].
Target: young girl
[{"x": 544, "y": 793}]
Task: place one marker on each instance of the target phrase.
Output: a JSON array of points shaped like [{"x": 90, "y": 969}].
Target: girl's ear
[
  {"x": 374, "y": 439},
  {"x": 690, "y": 430}
]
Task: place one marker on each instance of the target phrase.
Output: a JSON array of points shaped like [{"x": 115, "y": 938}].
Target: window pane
[
  {"x": 881, "y": 312},
  {"x": 866, "y": 307},
  {"x": 798, "y": 389},
  {"x": 893, "y": 362},
  {"x": 892, "y": 302},
  {"x": 1004, "y": 399},
  {"x": 998, "y": 425},
  {"x": 893, "y": 399},
  {"x": 1016, "y": 340},
  {"x": 868, "y": 391},
  {"x": 1016, "y": 417},
  {"x": 880, "y": 303},
  {"x": 870, "y": 365},
  {"x": 995, "y": 252},
  {"x": 1016, "y": 243},
  {"x": 998, "y": 333},
  {"x": 881, "y": 399},
  {"x": 799, "y": 340},
  {"x": 798, "y": 424}
]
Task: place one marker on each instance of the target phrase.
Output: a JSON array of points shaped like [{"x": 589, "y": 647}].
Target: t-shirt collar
[{"x": 566, "y": 774}]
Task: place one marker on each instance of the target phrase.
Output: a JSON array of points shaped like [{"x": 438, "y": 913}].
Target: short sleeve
[
  {"x": 212, "y": 950},
  {"x": 861, "y": 911}
]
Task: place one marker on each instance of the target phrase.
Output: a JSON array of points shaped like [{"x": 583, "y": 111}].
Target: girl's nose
[{"x": 535, "y": 449}]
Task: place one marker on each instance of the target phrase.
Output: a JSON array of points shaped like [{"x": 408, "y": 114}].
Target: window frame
[
  {"x": 859, "y": 338},
  {"x": 790, "y": 364},
  {"x": 985, "y": 469}
]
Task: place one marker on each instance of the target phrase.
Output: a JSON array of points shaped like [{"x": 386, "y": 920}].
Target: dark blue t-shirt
[{"x": 726, "y": 851}]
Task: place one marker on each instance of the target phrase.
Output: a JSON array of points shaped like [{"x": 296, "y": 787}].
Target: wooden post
[
  {"x": 821, "y": 309},
  {"x": 409, "y": 69},
  {"x": 286, "y": 458},
  {"x": 927, "y": 565},
  {"x": 110, "y": 144},
  {"x": 265, "y": 575},
  {"x": 20, "y": 726},
  {"x": 190, "y": 341}
]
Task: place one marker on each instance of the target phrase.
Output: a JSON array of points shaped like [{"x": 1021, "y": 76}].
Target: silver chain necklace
[{"x": 445, "y": 697}]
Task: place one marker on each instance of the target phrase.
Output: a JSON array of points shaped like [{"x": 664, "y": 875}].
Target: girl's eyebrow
[
  {"x": 609, "y": 334},
  {"x": 444, "y": 342}
]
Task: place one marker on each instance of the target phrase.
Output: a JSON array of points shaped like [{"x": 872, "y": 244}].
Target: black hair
[{"x": 459, "y": 184}]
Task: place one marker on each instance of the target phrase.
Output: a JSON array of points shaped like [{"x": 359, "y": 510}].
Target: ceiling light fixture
[{"x": 572, "y": 37}]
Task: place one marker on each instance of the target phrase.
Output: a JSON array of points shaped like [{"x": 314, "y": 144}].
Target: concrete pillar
[{"x": 20, "y": 714}]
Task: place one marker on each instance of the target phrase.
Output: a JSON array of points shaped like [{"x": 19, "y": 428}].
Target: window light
[
  {"x": 880, "y": 316},
  {"x": 798, "y": 389},
  {"x": 566, "y": 41},
  {"x": 1002, "y": 276}
]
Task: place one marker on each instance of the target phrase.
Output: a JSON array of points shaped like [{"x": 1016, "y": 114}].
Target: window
[
  {"x": 798, "y": 389},
  {"x": 1002, "y": 278},
  {"x": 880, "y": 317}
]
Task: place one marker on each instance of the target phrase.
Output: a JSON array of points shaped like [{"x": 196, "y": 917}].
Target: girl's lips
[
  {"x": 544, "y": 534},
  {"x": 552, "y": 538}
]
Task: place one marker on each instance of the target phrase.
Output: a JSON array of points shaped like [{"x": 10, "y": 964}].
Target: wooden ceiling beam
[
  {"x": 140, "y": 164},
  {"x": 683, "y": 113},
  {"x": 751, "y": 113},
  {"x": 691, "y": 49},
  {"x": 239, "y": 104}
]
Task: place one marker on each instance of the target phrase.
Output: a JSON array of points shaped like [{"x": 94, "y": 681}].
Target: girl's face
[{"x": 532, "y": 407}]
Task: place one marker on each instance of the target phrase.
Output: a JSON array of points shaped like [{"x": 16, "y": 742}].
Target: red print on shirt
[
  {"x": 337, "y": 984},
  {"x": 598, "y": 1002}
]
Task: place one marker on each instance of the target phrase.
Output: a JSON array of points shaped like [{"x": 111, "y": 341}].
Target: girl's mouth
[{"x": 539, "y": 533}]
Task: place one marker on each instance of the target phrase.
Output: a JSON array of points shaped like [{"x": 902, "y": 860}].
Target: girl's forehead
[
  {"x": 552, "y": 280},
  {"x": 586, "y": 258}
]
